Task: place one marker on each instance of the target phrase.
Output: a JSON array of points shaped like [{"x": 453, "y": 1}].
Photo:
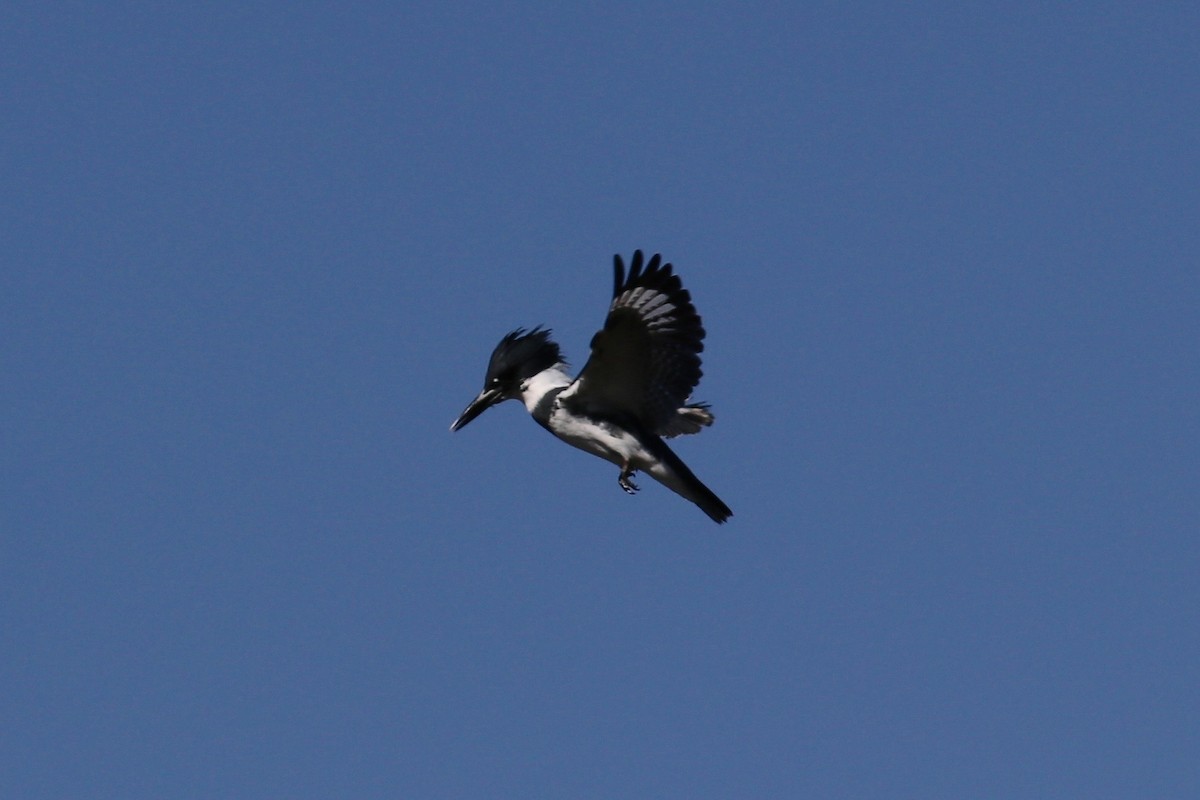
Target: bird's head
[{"x": 519, "y": 356}]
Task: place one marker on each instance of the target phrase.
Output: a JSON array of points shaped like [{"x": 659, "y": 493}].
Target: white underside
[
  {"x": 606, "y": 441},
  {"x": 600, "y": 439}
]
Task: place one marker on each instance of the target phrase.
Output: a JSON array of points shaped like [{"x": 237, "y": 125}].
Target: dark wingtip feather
[{"x": 635, "y": 266}]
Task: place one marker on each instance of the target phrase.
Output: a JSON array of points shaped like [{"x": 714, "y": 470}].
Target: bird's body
[{"x": 632, "y": 392}]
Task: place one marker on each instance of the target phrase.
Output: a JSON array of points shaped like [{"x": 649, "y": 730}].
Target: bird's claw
[{"x": 629, "y": 486}]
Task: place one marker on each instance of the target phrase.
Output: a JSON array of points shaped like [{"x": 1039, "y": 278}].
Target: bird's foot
[{"x": 629, "y": 486}]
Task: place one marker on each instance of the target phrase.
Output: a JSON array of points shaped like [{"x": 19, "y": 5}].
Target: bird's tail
[{"x": 675, "y": 475}]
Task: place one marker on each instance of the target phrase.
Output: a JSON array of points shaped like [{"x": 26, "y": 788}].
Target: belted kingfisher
[{"x": 633, "y": 390}]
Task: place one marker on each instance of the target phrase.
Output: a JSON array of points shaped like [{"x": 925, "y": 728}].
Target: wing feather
[{"x": 645, "y": 361}]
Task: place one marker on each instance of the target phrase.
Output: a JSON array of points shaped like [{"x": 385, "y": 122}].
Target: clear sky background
[{"x": 254, "y": 259}]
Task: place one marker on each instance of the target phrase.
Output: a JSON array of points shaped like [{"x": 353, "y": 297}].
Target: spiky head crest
[{"x": 522, "y": 354}]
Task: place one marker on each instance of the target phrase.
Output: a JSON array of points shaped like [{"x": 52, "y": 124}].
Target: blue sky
[{"x": 255, "y": 258}]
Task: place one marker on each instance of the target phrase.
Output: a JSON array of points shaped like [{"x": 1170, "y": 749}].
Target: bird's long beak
[{"x": 487, "y": 398}]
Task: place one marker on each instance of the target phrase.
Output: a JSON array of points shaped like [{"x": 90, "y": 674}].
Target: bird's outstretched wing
[{"x": 645, "y": 361}]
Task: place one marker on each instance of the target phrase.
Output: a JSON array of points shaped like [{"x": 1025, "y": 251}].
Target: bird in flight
[{"x": 634, "y": 390}]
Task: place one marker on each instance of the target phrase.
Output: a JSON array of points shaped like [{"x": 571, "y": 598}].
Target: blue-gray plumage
[{"x": 634, "y": 389}]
